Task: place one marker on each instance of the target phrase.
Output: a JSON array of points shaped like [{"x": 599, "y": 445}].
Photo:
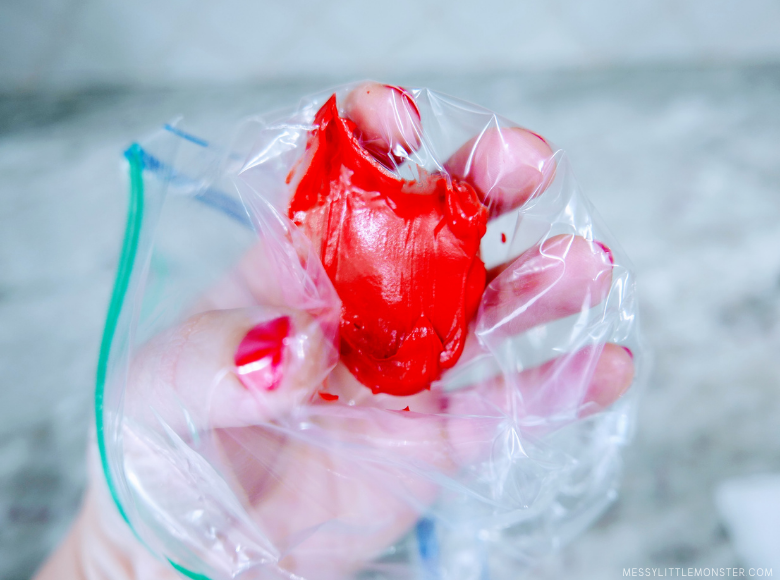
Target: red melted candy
[{"x": 402, "y": 255}]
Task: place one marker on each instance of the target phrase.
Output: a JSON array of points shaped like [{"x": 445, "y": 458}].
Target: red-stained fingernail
[
  {"x": 406, "y": 96},
  {"x": 538, "y": 135},
  {"x": 260, "y": 354},
  {"x": 628, "y": 350},
  {"x": 606, "y": 250}
]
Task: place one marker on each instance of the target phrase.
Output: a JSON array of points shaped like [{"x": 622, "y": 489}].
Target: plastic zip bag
[{"x": 504, "y": 456}]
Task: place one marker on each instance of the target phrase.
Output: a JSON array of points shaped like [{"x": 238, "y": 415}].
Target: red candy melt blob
[{"x": 402, "y": 255}]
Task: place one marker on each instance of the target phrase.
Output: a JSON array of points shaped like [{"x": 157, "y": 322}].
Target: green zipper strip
[
  {"x": 127, "y": 258},
  {"x": 187, "y": 573},
  {"x": 135, "y": 214}
]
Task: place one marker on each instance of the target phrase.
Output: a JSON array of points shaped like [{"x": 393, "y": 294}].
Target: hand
[{"x": 330, "y": 473}]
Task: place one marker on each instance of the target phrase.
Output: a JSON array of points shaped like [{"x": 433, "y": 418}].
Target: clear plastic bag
[{"x": 233, "y": 470}]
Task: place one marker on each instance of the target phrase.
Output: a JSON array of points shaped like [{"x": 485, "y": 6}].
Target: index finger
[{"x": 507, "y": 166}]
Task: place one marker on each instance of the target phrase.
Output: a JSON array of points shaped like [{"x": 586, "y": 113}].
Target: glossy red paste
[{"x": 402, "y": 255}]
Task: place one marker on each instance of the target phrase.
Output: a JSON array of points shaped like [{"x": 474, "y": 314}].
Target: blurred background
[{"x": 669, "y": 109}]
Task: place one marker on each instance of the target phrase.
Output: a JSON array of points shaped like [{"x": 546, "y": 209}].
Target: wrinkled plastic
[{"x": 507, "y": 456}]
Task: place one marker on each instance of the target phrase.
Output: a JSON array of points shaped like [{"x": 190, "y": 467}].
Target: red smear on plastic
[
  {"x": 259, "y": 356},
  {"x": 402, "y": 255},
  {"x": 606, "y": 250},
  {"x": 503, "y": 238},
  {"x": 628, "y": 350},
  {"x": 405, "y": 408},
  {"x": 328, "y": 396}
]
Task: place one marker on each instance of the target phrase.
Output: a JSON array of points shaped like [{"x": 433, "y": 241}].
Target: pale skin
[{"x": 443, "y": 430}]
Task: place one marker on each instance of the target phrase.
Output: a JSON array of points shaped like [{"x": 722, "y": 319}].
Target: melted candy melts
[{"x": 406, "y": 266}]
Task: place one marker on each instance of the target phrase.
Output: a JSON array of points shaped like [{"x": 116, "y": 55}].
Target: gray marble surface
[{"x": 683, "y": 165}]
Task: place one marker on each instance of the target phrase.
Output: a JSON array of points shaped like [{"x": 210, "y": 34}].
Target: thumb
[{"x": 229, "y": 368}]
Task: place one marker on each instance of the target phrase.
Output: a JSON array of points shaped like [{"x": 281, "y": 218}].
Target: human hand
[{"x": 330, "y": 473}]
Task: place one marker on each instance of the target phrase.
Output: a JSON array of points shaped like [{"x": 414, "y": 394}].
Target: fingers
[
  {"x": 574, "y": 385},
  {"x": 387, "y": 122},
  {"x": 229, "y": 368},
  {"x": 612, "y": 377},
  {"x": 507, "y": 166},
  {"x": 540, "y": 399},
  {"x": 556, "y": 278}
]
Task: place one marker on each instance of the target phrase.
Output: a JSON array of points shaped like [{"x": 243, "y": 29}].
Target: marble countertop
[{"x": 682, "y": 164}]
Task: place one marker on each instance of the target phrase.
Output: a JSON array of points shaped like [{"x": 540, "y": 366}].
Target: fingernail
[
  {"x": 406, "y": 96},
  {"x": 259, "y": 356},
  {"x": 606, "y": 250},
  {"x": 538, "y": 135},
  {"x": 628, "y": 350}
]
